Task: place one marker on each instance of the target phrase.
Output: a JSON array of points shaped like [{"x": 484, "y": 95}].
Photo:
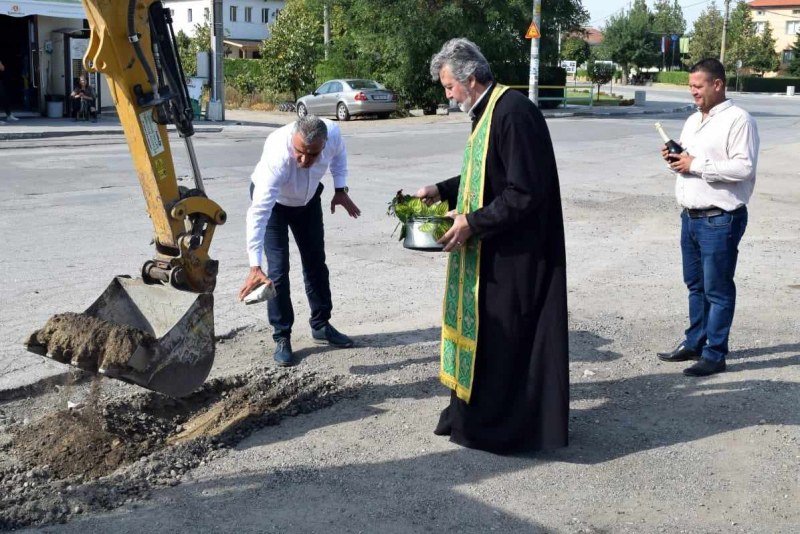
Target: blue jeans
[
  {"x": 309, "y": 235},
  {"x": 709, "y": 246}
]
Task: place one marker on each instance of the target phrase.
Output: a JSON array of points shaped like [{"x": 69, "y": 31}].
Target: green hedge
[
  {"x": 754, "y": 84},
  {"x": 674, "y": 77},
  {"x": 246, "y": 75}
]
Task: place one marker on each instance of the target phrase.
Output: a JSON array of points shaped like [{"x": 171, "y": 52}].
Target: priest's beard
[{"x": 466, "y": 105}]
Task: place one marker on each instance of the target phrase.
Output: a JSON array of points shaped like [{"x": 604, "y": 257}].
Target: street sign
[
  {"x": 675, "y": 37},
  {"x": 570, "y": 66},
  {"x": 533, "y": 31}
]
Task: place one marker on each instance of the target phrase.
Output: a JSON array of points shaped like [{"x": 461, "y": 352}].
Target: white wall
[{"x": 253, "y": 30}]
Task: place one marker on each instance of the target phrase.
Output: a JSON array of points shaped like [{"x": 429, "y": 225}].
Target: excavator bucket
[{"x": 149, "y": 335}]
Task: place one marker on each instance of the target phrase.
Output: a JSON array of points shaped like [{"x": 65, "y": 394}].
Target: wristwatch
[{"x": 344, "y": 189}]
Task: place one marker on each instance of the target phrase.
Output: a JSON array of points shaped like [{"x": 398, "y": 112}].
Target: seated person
[{"x": 82, "y": 99}]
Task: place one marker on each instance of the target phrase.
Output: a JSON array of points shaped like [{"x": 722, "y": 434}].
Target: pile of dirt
[
  {"x": 88, "y": 342},
  {"x": 101, "y": 455}
]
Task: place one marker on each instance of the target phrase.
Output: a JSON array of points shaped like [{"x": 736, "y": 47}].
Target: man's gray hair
[
  {"x": 311, "y": 128},
  {"x": 464, "y": 59}
]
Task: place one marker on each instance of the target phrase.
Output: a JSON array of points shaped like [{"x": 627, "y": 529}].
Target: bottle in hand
[{"x": 672, "y": 146}]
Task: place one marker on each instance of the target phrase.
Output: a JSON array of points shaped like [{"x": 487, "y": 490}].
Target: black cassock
[{"x": 520, "y": 392}]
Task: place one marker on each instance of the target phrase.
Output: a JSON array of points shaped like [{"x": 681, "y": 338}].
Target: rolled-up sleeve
[{"x": 267, "y": 179}]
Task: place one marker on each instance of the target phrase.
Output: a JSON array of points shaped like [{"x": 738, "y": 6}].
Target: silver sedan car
[{"x": 345, "y": 98}]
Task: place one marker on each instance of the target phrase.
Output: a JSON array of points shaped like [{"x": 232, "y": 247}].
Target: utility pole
[
  {"x": 216, "y": 109},
  {"x": 533, "y": 80},
  {"x": 326, "y": 23},
  {"x": 724, "y": 32}
]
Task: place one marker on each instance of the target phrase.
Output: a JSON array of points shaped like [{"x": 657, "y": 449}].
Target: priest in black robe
[{"x": 519, "y": 397}]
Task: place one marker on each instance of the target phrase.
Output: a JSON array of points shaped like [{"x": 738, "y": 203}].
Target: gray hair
[
  {"x": 311, "y": 128},
  {"x": 464, "y": 59}
]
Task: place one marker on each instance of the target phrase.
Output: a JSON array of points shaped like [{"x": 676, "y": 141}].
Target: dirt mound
[
  {"x": 105, "y": 453},
  {"x": 88, "y": 342}
]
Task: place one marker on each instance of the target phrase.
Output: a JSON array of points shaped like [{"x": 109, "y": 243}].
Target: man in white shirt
[
  {"x": 286, "y": 192},
  {"x": 715, "y": 176}
]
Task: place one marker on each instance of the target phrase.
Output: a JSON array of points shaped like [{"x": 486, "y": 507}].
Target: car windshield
[{"x": 364, "y": 84}]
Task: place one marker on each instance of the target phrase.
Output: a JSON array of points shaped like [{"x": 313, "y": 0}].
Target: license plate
[{"x": 380, "y": 97}]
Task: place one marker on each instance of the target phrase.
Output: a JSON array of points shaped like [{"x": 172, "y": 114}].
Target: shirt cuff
[
  {"x": 697, "y": 166},
  {"x": 255, "y": 258}
]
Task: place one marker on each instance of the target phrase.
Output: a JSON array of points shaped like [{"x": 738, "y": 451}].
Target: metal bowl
[{"x": 416, "y": 239}]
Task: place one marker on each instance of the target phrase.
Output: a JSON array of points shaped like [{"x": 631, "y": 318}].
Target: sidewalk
[{"x": 43, "y": 127}]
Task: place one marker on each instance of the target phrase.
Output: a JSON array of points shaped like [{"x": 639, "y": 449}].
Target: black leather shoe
[
  {"x": 704, "y": 368},
  {"x": 283, "y": 353},
  {"x": 680, "y": 354},
  {"x": 328, "y": 335}
]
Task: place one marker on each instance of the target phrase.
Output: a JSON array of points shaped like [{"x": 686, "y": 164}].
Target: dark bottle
[{"x": 672, "y": 146}]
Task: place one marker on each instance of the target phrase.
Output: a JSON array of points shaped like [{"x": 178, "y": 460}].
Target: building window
[
  {"x": 788, "y": 56},
  {"x": 792, "y": 27},
  {"x": 275, "y": 14},
  {"x": 248, "y": 14},
  {"x": 759, "y": 27},
  {"x": 189, "y": 15},
  {"x": 265, "y": 15},
  {"x": 206, "y": 13},
  {"x": 759, "y": 12},
  {"x": 796, "y": 12},
  {"x": 233, "y": 13}
]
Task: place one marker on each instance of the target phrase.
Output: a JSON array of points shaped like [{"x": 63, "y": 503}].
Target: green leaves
[{"x": 407, "y": 208}]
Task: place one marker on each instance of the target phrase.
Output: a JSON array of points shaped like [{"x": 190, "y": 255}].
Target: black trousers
[
  {"x": 4, "y": 101},
  {"x": 307, "y": 228}
]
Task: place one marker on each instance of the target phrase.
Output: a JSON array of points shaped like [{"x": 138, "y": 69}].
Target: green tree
[
  {"x": 576, "y": 49},
  {"x": 741, "y": 37},
  {"x": 291, "y": 54},
  {"x": 188, "y": 47},
  {"x": 629, "y": 39},
  {"x": 600, "y": 74},
  {"x": 765, "y": 58},
  {"x": 794, "y": 65},
  {"x": 706, "y": 35}
]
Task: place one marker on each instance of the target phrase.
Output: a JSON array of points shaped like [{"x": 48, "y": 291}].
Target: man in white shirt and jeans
[
  {"x": 715, "y": 176},
  {"x": 286, "y": 192}
]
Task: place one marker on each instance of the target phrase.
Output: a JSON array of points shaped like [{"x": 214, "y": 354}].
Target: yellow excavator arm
[
  {"x": 133, "y": 45},
  {"x": 158, "y": 331}
]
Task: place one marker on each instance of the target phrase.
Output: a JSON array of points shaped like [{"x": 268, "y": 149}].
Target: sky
[{"x": 601, "y": 10}]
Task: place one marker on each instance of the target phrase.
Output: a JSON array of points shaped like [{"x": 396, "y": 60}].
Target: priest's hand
[
  {"x": 458, "y": 234},
  {"x": 429, "y": 194}
]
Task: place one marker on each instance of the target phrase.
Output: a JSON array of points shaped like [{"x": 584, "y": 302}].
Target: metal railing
[{"x": 563, "y": 99}]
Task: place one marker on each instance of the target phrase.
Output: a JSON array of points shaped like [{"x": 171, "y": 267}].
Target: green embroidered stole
[{"x": 460, "y": 310}]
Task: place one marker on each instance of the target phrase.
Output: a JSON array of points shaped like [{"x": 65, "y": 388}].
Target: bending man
[{"x": 286, "y": 193}]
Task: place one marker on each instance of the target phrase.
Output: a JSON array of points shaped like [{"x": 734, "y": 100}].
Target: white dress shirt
[
  {"x": 725, "y": 148},
  {"x": 277, "y": 178}
]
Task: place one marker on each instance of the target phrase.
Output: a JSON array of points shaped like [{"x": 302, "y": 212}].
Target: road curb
[{"x": 11, "y": 136}]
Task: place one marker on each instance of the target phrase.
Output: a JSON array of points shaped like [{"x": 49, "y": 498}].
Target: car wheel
[
  {"x": 301, "y": 110},
  {"x": 341, "y": 112}
]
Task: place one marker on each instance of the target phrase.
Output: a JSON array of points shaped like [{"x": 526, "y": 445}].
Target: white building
[{"x": 246, "y": 22}]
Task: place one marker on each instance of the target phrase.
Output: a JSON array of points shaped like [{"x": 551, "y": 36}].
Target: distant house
[
  {"x": 245, "y": 22},
  {"x": 783, "y": 17},
  {"x": 593, "y": 36}
]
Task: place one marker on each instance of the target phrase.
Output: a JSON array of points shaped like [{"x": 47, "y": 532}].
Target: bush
[
  {"x": 674, "y": 77},
  {"x": 246, "y": 75},
  {"x": 551, "y": 76},
  {"x": 753, "y": 84}
]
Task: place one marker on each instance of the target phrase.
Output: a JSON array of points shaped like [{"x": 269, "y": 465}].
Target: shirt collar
[
  {"x": 478, "y": 101},
  {"x": 719, "y": 108}
]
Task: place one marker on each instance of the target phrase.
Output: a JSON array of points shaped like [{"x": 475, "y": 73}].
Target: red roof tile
[{"x": 775, "y": 3}]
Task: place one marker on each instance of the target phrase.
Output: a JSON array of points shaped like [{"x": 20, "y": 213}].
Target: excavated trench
[{"x": 102, "y": 454}]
